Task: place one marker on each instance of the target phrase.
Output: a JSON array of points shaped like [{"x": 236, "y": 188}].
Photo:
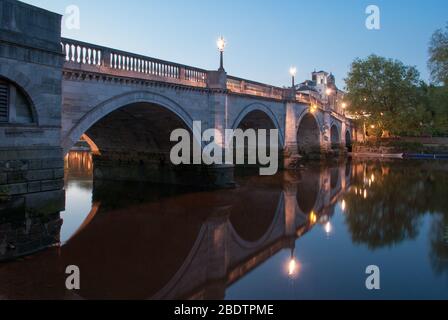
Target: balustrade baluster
[
  {"x": 89, "y": 56},
  {"x": 83, "y": 53}
]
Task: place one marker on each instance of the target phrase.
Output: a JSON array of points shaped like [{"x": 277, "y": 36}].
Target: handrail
[
  {"x": 122, "y": 62},
  {"x": 83, "y": 53},
  {"x": 243, "y": 86}
]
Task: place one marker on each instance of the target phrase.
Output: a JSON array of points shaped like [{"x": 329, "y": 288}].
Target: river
[{"x": 307, "y": 234}]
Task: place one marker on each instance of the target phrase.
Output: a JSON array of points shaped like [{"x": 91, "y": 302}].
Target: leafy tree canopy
[
  {"x": 438, "y": 52},
  {"x": 387, "y": 96}
]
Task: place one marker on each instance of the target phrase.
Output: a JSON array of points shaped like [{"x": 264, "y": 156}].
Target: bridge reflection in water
[
  {"x": 143, "y": 241},
  {"x": 147, "y": 242}
]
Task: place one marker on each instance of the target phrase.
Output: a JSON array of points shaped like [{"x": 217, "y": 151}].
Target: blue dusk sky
[{"x": 265, "y": 37}]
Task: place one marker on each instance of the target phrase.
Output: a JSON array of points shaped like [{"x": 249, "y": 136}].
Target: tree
[
  {"x": 438, "y": 52},
  {"x": 385, "y": 96},
  {"x": 437, "y": 99}
]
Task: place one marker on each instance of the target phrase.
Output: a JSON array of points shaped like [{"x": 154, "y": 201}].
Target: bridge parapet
[
  {"x": 111, "y": 61},
  {"x": 94, "y": 58},
  {"x": 243, "y": 86}
]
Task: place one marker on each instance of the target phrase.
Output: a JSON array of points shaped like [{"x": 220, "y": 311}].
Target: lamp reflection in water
[
  {"x": 328, "y": 228},
  {"x": 343, "y": 205},
  {"x": 313, "y": 217},
  {"x": 293, "y": 265}
]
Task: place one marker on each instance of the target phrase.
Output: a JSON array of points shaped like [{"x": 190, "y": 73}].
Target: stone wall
[
  {"x": 31, "y": 163},
  {"x": 24, "y": 234}
]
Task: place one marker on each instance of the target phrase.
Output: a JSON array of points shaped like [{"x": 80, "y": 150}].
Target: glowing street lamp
[
  {"x": 221, "y": 43},
  {"x": 293, "y": 73},
  {"x": 344, "y": 105},
  {"x": 328, "y": 92}
]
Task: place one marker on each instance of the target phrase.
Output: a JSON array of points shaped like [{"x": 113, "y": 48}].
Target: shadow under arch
[
  {"x": 138, "y": 128},
  {"x": 335, "y": 137},
  {"x": 115, "y": 103},
  {"x": 308, "y": 135},
  {"x": 348, "y": 141},
  {"x": 258, "y": 111}
]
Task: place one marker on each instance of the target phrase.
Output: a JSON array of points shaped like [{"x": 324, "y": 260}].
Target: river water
[{"x": 308, "y": 234}]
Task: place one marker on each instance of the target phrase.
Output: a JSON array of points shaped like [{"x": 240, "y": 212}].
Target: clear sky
[{"x": 265, "y": 37}]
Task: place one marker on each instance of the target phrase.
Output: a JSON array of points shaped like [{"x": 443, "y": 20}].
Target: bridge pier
[{"x": 31, "y": 162}]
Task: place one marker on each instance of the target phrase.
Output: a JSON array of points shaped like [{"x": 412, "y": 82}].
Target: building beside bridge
[{"x": 323, "y": 88}]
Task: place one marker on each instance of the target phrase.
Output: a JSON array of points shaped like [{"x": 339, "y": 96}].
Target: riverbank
[{"x": 403, "y": 148}]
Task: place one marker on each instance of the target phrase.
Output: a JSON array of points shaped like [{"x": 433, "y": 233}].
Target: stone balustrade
[
  {"x": 243, "y": 86},
  {"x": 81, "y": 53},
  {"x": 111, "y": 61}
]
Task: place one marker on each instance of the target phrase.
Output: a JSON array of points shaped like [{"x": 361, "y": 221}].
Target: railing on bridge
[
  {"x": 133, "y": 65},
  {"x": 248, "y": 87},
  {"x": 97, "y": 56}
]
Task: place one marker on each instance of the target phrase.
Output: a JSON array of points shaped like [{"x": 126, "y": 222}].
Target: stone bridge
[
  {"x": 55, "y": 91},
  {"x": 222, "y": 241}
]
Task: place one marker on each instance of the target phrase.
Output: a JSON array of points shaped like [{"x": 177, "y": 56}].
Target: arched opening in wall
[
  {"x": 348, "y": 141},
  {"x": 255, "y": 120},
  {"x": 15, "y": 105},
  {"x": 133, "y": 143},
  {"x": 308, "y": 136},
  {"x": 308, "y": 190},
  {"x": 335, "y": 139}
]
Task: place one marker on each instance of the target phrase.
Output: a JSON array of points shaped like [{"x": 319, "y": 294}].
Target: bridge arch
[
  {"x": 348, "y": 141},
  {"x": 335, "y": 137},
  {"x": 263, "y": 112},
  {"x": 308, "y": 134},
  {"x": 107, "y": 107}
]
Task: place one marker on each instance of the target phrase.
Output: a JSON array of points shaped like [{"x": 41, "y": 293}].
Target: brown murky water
[{"x": 308, "y": 234}]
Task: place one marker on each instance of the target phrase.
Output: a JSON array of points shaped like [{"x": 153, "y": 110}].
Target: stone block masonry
[{"x": 31, "y": 158}]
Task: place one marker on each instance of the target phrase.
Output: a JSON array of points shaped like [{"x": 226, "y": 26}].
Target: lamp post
[
  {"x": 221, "y": 43},
  {"x": 293, "y": 72}
]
